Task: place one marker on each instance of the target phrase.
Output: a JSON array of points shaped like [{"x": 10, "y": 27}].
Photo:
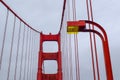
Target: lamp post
[{"x": 80, "y": 26}]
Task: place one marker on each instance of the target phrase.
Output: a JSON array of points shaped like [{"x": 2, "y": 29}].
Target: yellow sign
[{"x": 72, "y": 29}]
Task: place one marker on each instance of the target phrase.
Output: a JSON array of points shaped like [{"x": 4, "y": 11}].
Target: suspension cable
[
  {"x": 76, "y": 43},
  {"x": 70, "y": 58},
  {"x": 33, "y": 49},
  {"x": 74, "y": 9},
  {"x": 21, "y": 62},
  {"x": 63, "y": 13},
  {"x": 89, "y": 9},
  {"x": 26, "y": 52},
  {"x": 91, "y": 46},
  {"x": 4, "y": 38},
  {"x": 67, "y": 58},
  {"x": 63, "y": 42},
  {"x": 76, "y": 58},
  {"x": 70, "y": 46},
  {"x": 65, "y": 63},
  {"x": 33, "y": 57},
  {"x": 11, "y": 49},
  {"x": 29, "y": 56},
  {"x": 94, "y": 38},
  {"x": 18, "y": 45},
  {"x": 21, "y": 42},
  {"x": 27, "y": 25}
]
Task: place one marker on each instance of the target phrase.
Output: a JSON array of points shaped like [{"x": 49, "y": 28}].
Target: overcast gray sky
[{"x": 45, "y": 16}]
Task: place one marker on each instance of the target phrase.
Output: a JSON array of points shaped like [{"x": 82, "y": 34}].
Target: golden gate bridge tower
[{"x": 49, "y": 56}]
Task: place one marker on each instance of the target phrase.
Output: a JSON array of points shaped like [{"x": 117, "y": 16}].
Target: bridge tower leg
[{"x": 49, "y": 56}]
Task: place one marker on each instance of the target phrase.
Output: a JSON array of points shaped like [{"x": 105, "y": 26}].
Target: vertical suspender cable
[
  {"x": 94, "y": 38},
  {"x": 18, "y": 45},
  {"x": 63, "y": 55},
  {"x": 21, "y": 62},
  {"x": 11, "y": 49},
  {"x": 29, "y": 54},
  {"x": 70, "y": 58},
  {"x": 32, "y": 72},
  {"x": 67, "y": 58},
  {"x": 69, "y": 46},
  {"x": 26, "y": 51},
  {"x": 33, "y": 58},
  {"x": 64, "y": 61},
  {"x": 68, "y": 8},
  {"x": 65, "y": 52},
  {"x": 76, "y": 44},
  {"x": 91, "y": 46},
  {"x": 77, "y": 57},
  {"x": 74, "y": 9},
  {"x": 66, "y": 40},
  {"x": 4, "y": 38},
  {"x": 30, "y": 58}
]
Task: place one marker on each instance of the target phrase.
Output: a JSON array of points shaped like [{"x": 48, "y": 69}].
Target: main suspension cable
[
  {"x": 63, "y": 14},
  {"x": 27, "y": 25}
]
